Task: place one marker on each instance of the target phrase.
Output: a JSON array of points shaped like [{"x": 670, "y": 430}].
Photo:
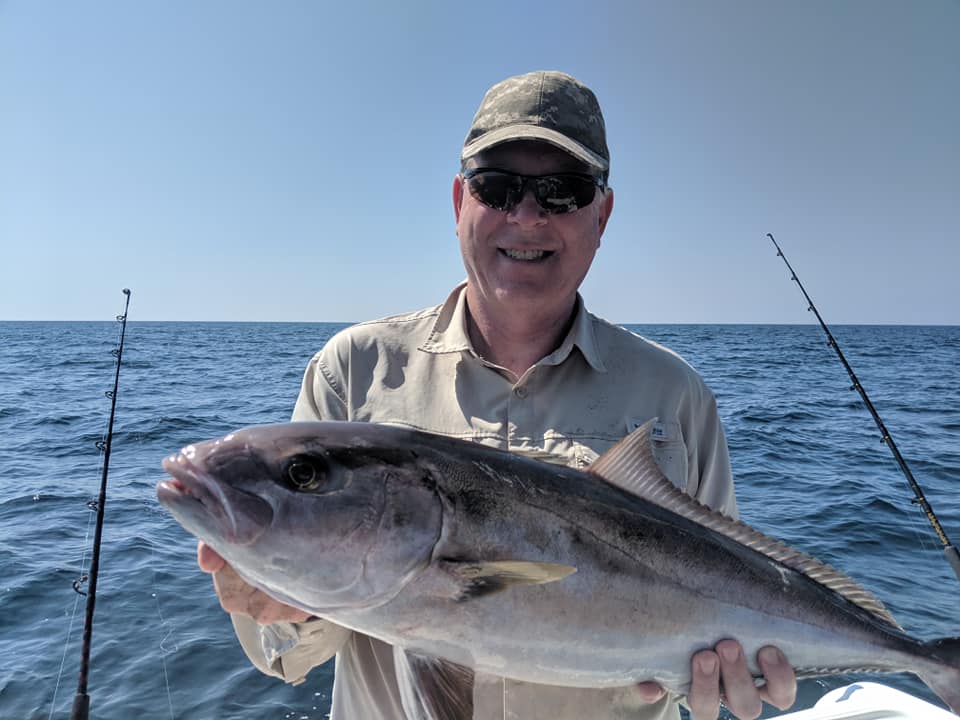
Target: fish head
[{"x": 317, "y": 515}]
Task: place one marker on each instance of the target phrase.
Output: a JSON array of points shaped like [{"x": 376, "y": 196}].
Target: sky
[{"x": 293, "y": 161}]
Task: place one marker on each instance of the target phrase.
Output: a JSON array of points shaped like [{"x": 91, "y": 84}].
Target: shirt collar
[{"x": 449, "y": 333}]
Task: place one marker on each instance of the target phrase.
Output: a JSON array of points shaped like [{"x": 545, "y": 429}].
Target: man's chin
[{"x": 536, "y": 297}]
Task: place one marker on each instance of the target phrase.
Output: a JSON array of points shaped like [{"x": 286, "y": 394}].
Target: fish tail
[{"x": 943, "y": 674}]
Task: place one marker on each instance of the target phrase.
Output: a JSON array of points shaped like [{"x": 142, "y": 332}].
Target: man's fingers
[
  {"x": 781, "y": 687},
  {"x": 265, "y": 610},
  {"x": 236, "y": 596},
  {"x": 233, "y": 591},
  {"x": 208, "y": 559},
  {"x": 650, "y": 692},
  {"x": 742, "y": 696},
  {"x": 704, "y": 695}
]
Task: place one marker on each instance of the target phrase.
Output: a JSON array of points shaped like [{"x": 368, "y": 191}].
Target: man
[{"x": 512, "y": 359}]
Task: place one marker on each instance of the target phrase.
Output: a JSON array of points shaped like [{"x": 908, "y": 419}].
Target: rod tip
[{"x": 126, "y": 291}]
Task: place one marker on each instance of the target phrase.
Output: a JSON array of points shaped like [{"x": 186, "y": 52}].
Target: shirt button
[{"x": 520, "y": 392}]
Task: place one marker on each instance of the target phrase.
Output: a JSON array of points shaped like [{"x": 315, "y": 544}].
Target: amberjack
[{"x": 471, "y": 559}]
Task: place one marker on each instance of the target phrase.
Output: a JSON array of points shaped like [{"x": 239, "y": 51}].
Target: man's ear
[
  {"x": 457, "y": 197},
  {"x": 606, "y": 209}
]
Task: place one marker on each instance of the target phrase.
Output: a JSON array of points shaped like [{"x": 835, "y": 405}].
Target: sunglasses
[{"x": 555, "y": 194}]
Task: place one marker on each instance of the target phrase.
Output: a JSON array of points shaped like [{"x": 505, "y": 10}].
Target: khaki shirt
[{"x": 420, "y": 371}]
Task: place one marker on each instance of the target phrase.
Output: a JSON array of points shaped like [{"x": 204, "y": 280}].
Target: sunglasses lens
[
  {"x": 559, "y": 194},
  {"x": 498, "y": 190},
  {"x": 556, "y": 194}
]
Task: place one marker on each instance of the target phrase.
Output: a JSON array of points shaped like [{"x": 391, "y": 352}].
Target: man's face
[{"x": 525, "y": 259}]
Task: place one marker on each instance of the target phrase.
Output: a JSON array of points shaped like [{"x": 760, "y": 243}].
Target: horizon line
[{"x": 349, "y": 323}]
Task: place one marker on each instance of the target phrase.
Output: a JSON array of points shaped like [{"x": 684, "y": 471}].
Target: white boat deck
[{"x": 869, "y": 701}]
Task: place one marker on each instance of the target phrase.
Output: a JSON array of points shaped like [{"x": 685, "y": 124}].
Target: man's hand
[
  {"x": 741, "y": 697},
  {"x": 238, "y": 597}
]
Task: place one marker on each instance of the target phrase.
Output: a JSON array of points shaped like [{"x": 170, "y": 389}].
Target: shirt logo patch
[{"x": 661, "y": 432}]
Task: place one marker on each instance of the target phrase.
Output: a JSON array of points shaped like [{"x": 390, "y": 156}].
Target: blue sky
[{"x": 293, "y": 160}]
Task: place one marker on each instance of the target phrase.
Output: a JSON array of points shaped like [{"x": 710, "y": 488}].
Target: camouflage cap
[{"x": 544, "y": 105}]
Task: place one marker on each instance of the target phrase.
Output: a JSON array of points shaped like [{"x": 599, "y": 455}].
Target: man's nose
[{"x": 528, "y": 210}]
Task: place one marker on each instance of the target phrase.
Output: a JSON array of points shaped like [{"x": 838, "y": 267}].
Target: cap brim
[{"x": 534, "y": 132}]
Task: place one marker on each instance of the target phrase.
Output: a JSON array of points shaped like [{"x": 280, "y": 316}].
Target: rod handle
[
  {"x": 953, "y": 557},
  {"x": 81, "y": 707}
]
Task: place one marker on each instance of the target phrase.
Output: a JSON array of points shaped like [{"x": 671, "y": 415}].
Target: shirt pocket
[{"x": 670, "y": 451}]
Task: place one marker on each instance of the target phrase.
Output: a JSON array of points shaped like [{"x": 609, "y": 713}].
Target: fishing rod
[
  {"x": 949, "y": 550},
  {"x": 81, "y": 701}
]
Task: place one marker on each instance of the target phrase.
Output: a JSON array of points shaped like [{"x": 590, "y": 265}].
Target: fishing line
[
  {"x": 81, "y": 701},
  {"x": 73, "y": 616},
  {"x": 949, "y": 550},
  {"x": 163, "y": 624},
  {"x": 82, "y": 575}
]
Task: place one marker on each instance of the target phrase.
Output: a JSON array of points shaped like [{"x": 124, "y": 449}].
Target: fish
[{"x": 469, "y": 559}]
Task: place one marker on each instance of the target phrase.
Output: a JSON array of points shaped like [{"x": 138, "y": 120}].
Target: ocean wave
[{"x": 806, "y": 455}]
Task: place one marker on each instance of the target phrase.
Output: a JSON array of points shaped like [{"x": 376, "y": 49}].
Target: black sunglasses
[{"x": 556, "y": 194}]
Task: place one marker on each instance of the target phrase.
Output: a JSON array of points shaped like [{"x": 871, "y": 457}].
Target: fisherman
[{"x": 513, "y": 359}]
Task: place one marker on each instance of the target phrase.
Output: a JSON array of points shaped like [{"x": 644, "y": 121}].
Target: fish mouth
[{"x": 197, "y": 498}]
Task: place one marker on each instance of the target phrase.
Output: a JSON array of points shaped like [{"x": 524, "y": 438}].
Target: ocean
[{"x": 808, "y": 460}]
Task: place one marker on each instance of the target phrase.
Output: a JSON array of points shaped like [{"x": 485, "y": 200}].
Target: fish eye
[{"x": 304, "y": 473}]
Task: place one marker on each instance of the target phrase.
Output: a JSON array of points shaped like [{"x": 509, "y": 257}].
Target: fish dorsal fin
[{"x": 631, "y": 466}]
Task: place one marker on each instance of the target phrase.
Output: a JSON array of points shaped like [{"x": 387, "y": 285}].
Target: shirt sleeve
[
  {"x": 290, "y": 650},
  {"x": 709, "y": 460},
  {"x": 322, "y": 393}
]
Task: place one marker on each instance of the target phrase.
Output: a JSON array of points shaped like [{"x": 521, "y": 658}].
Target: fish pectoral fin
[
  {"x": 477, "y": 579},
  {"x": 432, "y": 688}
]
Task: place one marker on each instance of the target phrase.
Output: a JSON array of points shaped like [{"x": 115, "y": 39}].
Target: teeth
[{"x": 524, "y": 254}]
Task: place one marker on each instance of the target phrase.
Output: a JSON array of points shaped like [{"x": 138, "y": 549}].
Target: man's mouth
[{"x": 526, "y": 255}]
